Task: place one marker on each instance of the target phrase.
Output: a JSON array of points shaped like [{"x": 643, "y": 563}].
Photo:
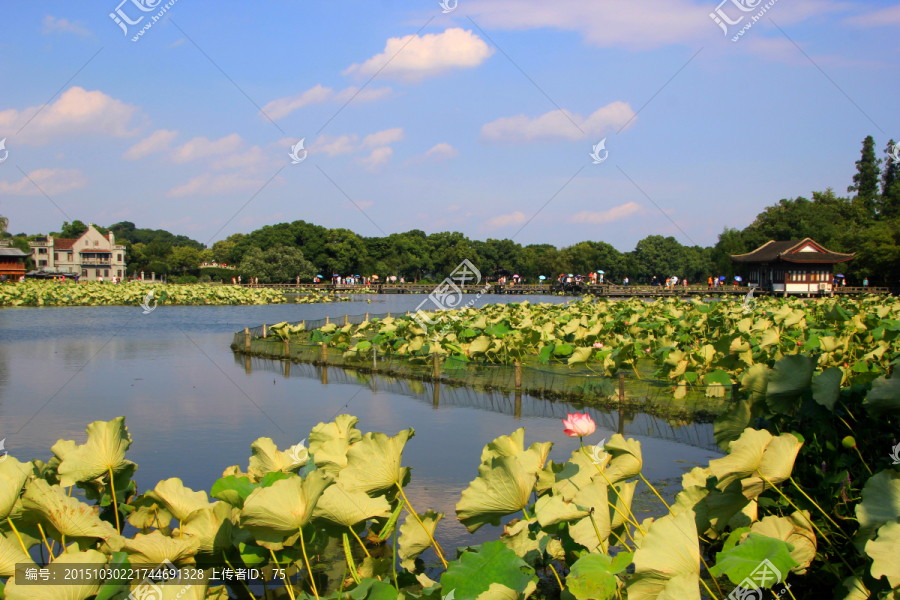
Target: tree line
[{"x": 866, "y": 221}]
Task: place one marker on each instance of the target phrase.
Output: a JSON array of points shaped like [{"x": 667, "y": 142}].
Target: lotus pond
[{"x": 91, "y": 293}]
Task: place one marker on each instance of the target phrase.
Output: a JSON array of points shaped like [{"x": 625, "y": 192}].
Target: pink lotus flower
[
  {"x": 598, "y": 345},
  {"x": 647, "y": 350},
  {"x": 578, "y": 425}
]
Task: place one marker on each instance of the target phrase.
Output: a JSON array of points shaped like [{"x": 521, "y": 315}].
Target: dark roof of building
[
  {"x": 63, "y": 243},
  {"x": 790, "y": 251},
  {"x": 15, "y": 252}
]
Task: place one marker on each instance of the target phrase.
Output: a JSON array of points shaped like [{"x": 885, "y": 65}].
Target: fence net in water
[{"x": 537, "y": 379}]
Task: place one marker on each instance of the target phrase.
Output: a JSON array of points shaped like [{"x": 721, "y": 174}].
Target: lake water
[{"x": 193, "y": 407}]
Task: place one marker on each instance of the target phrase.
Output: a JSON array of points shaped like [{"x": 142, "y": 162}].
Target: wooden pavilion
[
  {"x": 792, "y": 267},
  {"x": 12, "y": 262}
]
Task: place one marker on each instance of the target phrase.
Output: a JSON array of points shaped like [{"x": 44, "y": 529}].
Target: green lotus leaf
[
  {"x": 593, "y": 576},
  {"x": 744, "y": 561},
  {"x": 179, "y": 500},
  {"x": 746, "y": 453},
  {"x": 880, "y": 504},
  {"x": 770, "y": 337},
  {"x": 552, "y": 509},
  {"x": 332, "y": 456},
  {"x": 85, "y": 588},
  {"x": 61, "y": 515},
  {"x": 669, "y": 551},
  {"x": 787, "y": 380},
  {"x": 826, "y": 387},
  {"x": 731, "y": 422},
  {"x": 479, "y": 345},
  {"x": 13, "y": 475},
  {"x": 373, "y": 463},
  {"x": 266, "y": 458},
  {"x": 776, "y": 464},
  {"x": 797, "y": 531},
  {"x": 233, "y": 490},
  {"x": 622, "y": 503},
  {"x": 692, "y": 499},
  {"x": 579, "y": 355},
  {"x": 414, "y": 539},
  {"x": 884, "y": 396},
  {"x": 885, "y": 553},
  {"x": 104, "y": 451},
  {"x": 571, "y": 476},
  {"x": 493, "y": 564},
  {"x": 532, "y": 459},
  {"x": 275, "y": 513},
  {"x": 11, "y": 554},
  {"x": 501, "y": 488},
  {"x": 149, "y": 511},
  {"x": 155, "y": 548},
  {"x": 530, "y": 545},
  {"x": 348, "y": 507},
  {"x": 723, "y": 507},
  {"x": 212, "y": 526},
  {"x": 594, "y": 496},
  {"x": 855, "y": 589},
  {"x": 626, "y": 459},
  {"x": 342, "y": 428}
]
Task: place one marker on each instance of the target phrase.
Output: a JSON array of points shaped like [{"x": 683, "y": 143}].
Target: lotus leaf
[
  {"x": 885, "y": 553},
  {"x": 414, "y": 540},
  {"x": 593, "y": 577},
  {"x": 179, "y": 500},
  {"x": 104, "y": 451},
  {"x": 552, "y": 509},
  {"x": 11, "y": 554},
  {"x": 884, "y": 397},
  {"x": 826, "y": 387},
  {"x": 593, "y": 497},
  {"x": 478, "y": 573},
  {"x": 275, "y": 514},
  {"x": 501, "y": 488},
  {"x": 233, "y": 490},
  {"x": 787, "y": 380},
  {"x": 148, "y": 512},
  {"x": 668, "y": 558},
  {"x": 267, "y": 458},
  {"x": 797, "y": 531},
  {"x": 575, "y": 474},
  {"x": 13, "y": 475},
  {"x": 155, "y": 548},
  {"x": 743, "y": 560},
  {"x": 346, "y": 508},
  {"x": 880, "y": 504},
  {"x": 342, "y": 428},
  {"x": 746, "y": 453},
  {"x": 626, "y": 459},
  {"x": 373, "y": 463},
  {"x": 212, "y": 526},
  {"x": 62, "y": 516}
]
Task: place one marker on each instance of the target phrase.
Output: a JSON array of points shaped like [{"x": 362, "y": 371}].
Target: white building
[{"x": 93, "y": 255}]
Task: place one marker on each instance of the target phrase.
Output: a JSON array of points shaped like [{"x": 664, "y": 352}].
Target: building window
[
  {"x": 84, "y": 273},
  {"x": 106, "y": 272},
  {"x": 118, "y": 258},
  {"x": 120, "y": 273},
  {"x": 56, "y": 256},
  {"x": 42, "y": 263},
  {"x": 42, "y": 251}
]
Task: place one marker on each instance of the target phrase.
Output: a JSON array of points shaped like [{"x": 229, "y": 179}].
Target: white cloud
[
  {"x": 555, "y": 125},
  {"x": 248, "y": 159},
  {"x": 209, "y": 185},
  {"x": 176, "y": 43},
  {"x": 437, "y": 153},
  {"x": 383, "y": 138},
  {"x": 501, "y": 221},
  {"x": 616, "y": 213},
  {"x": 334, "y": 145},
  {"x": 77, "y": 112},
  {"x": 429, "y": 55},
  {"x": 278, "y": 109},
  {"x": 655, "y": 24},
  {"x": 877, "y": 18},
  {"x": 158, "y": 141},
  {"x": 378, "y": 157},
  {"x": 201, "y": 147},
  {"x": 54, "y": 25},
  {"x": 50, "y": 181}
]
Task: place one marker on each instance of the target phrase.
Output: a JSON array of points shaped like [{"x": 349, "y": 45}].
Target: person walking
[
  {"x": 866, "y": 282},
  {"x": 710, "y": 283},
  {"x": 626, "y": 281}
]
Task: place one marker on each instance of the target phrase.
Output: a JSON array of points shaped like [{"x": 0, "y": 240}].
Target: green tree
[
  {"x": 71, "y": 231},
  {"x": 278, "y": 264},
  {"x": 865, "y": 181},
  {"x": 890, "y": 184},
  {"x": 185, "y": 258}
]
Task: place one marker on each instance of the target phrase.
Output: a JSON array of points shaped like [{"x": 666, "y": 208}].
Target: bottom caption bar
[{"x": 60, "y": 573}]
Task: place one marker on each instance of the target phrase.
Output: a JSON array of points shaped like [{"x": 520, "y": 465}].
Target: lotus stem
[
  {"x": 112, "y": 486},
  {"x": 21, "y": 543},
  {"x": 709, "y": 591},
  {"x": 863, "y": 460},
  {"x": 641, "y": 475},
  {"x": 312, "y": 579},
  {"x": 805, "y": 495},
  {"x": 525, "y": 512},
  {"x": 343, "y": 579},
  {"x": 409, "y": 507},
  {"x": 596, "y": 530},
  {"x": 242, "y": 581},
  {"x": 393, "y": 561},
  {"x": 557, "y": 577},
  {"x": 360, "y": 542},
  {"x": 788, "y": 588},
  {"x": 619, "y": 496},
  {"x": 287, "y": 580},
  {"x": 348, "y": 555},
  {"x": 44, "y": 537}
]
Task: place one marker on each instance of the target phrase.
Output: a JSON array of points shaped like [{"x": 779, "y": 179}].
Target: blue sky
[{"x": 461, "y": 131}]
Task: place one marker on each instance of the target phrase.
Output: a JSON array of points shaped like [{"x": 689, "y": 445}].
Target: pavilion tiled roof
[{"x": 790, "y": 252}]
